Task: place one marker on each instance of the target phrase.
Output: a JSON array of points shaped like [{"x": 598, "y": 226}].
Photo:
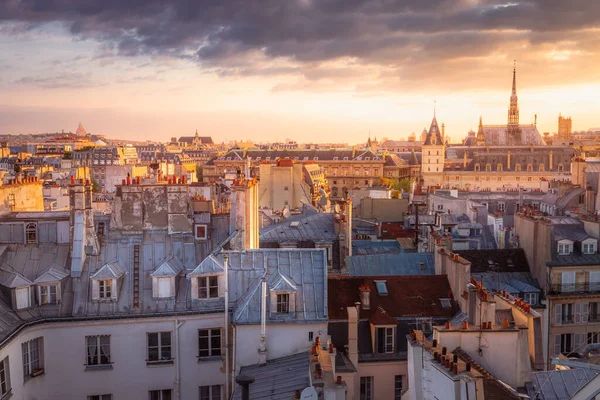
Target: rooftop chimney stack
[{"x": 365, "y": 297}]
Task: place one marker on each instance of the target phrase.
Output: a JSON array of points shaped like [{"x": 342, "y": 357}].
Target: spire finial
[
  {"x": 434, "y": 107},
  {"x": 514, "y": 85}
]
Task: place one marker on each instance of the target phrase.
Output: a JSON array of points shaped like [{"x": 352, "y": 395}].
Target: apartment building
[{"x": 563, "y": 255}]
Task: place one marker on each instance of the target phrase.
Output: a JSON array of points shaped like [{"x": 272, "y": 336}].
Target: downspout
[
  {"x": 233, "y": 360},
  {"x": 226, "y": 328},
  {"x": 177, "y": 363}
]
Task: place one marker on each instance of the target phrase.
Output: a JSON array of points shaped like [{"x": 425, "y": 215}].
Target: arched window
[
  {"x": 518, "y": 167},
  {"x": 477, "y": 168},
  {"x": 488, "y": 167},
  {"x": 499, "y": 168},
  {"x": 529, "y": 168},
  {"x": 31, "y": 233},
  {"x": 542, "y": 168}
]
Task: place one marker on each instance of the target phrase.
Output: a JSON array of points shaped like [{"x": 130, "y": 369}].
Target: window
[
  {"x": 212, "y": 392},
  {"x": 98, "y": 350},
  {"x": 488, "y": 167},
  {"x": 4, "y": 378},
  {"x": 564, "y": 249},
  {"x": 440, "y": 207},
  {"x": 542, "y": 168},
  {"x": 529, "y": 168},
  {"x": 518, "y": 167},
  {"x": 566, "y": 343},
  {"x": 531, "y": 298},
  {"x": 501, "y": 206},
  {"x": 201, "y": 232},
  {"x": 593, "y": 337},
  {"x": 208, "y": 287},
  {"x": 23, "y": 297},
  {"x": 446, "y": 304},
  {"x": 48, "y": 294},
  {"x": 366, "y": 388},
  {"x": 286, "y": 188},
  {"x": 163, "y": 394},
  {"x": 310, "y": 336},
  {"x": 159, "y": 347},
  {"x": 100, "y": 397},
  {"x": 385, "y": 340},
  {"x": 31, "y": 233},
  {"x": 499, "y": 168},
  {"x": 567, "y": 313},
  {"x": 164, "y": 287},
  {"x": 589, "y": 248},
  {"x": 398, "y": 387},
  {"x": 100, "y": 229},
  {"x": 105, "y": 287},
  {"x": 33, "y": 363},
  {"x": 283, "y": 303},
  {"x": 477, "y": 168},
  {"x": 209, "y": 342}
]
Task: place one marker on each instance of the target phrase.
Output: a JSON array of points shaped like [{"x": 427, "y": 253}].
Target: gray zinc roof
[
  {"x": 558, "y": 385},
  {"x": 316, "y": 227},
  {"x": 304, "y": 269},
  {"x": 391, "y": 264},
  {"x": 278, "y": 379}
]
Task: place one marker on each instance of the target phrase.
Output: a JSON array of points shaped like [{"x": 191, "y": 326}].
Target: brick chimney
[
  {"x": 365, "y": 297},
  {"x": 82, "y": 233}
]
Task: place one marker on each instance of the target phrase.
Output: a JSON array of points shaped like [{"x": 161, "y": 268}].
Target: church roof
[{"x": 433, "y": 136}]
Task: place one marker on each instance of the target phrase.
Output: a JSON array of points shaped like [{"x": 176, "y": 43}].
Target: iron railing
[{"x": 574, "y": 288}]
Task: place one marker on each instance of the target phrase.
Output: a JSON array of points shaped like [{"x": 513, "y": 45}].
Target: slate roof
[
  {"x": 497, "y": 135},
  {"x": 278, "y": 379},
  {"x": 304, "y": 269},
  {"x": 381, "y": 317},
  {"x": 501, "y": 258},
  {"x": 316, "y": 227},
  {"x": 559, "y": 384},
  {"x": 170, "y": 267},
  {"x": 391, "y": 264},
  {"x": 369, "y": 247},
  {"x": 433, "y": 134},
  {"x": 408, "y": 296},
  {"x": 302, "y": 155},
  {"x": 190, "y": 139},
  {"x": 562, "y": 229}
]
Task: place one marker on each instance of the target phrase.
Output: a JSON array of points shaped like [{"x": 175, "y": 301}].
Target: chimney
[
  {"x": 472, "y": 304},
  {"x": 348, "y": 236},
  {"x": 244, "y": 381},
  {"x": 353, "y": 335},
  {"x": 365, "y": 297},
  {"x": 81, "y": 219},
  {"x": 262, "y": 350},
  {"x": 244, "y": 215}
]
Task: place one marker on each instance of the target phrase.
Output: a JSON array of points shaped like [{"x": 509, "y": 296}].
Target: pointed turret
[
  {"x": 480, "y": 133},
  {"x": 434, "y": 136},
  {"x": 513, "y": 110}
]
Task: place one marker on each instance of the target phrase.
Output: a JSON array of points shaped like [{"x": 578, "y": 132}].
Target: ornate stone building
[{"x": 498, "y": 157}]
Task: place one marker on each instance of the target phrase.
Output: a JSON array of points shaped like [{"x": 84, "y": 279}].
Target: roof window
[
  {"x": 381, "y": 288},
  {"x": 446, "y": 304}
]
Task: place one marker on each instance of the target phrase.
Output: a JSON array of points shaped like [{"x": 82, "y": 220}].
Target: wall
[
  {"x": 23, "y": 196},
  {"x": 383, "y": 374},
  {"x": 384, "y": 210},
  {"x": 282, "y": 340},
  {"x": 114, "y": 175},
  {"x": 65, "y": 376}
]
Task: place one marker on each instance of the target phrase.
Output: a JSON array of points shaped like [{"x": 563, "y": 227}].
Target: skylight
[
  {"x": 446, "y": 304},
  {"x": 294, "y": 224},
  {"x": 381, "y": 288}
]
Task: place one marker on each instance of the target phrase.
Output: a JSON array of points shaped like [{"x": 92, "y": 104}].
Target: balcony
[{"x": 574, "y": 288}]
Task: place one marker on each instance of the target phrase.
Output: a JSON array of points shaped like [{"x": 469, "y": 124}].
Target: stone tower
[
  {"x": 433, "y": 156},
  {"x": 513, "y": 129}
]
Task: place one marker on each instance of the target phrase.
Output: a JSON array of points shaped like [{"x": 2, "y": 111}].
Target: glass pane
[
  {"x": 216, "y": 392},
  {"x": 202, "y": 292},
  {"x": 165, "y": 338},
  {"x": 153, "y": 339},
  {"x": 166, "y": 394},
  {"x": 166, "y": 353},
  {"x": 154, "y": 395},
  {"x": 153, "y": 354},
  {"x": 215, "y": 345}
]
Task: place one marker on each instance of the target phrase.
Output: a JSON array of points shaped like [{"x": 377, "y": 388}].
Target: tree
[{"x": 396, "y": 184}]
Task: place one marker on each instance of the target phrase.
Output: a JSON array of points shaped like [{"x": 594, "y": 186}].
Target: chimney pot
[
  {"x": 447, "y": 324},
  {"x": 444, "y": 351},
  {"x": 465, "y": 325},
  {"x": 455, "y": 358},
  {"x": 468, "y": 367},
  {"x": 436, "y": 356},
  {"x": 455, "y": 369},
  {"x": 505, "y": 324},
  {"x": 338, "y": 380},
  {"x": 123, "y": 182},
  {"x": 434, "y": 343},
  {"x": 72, "y": 179}
]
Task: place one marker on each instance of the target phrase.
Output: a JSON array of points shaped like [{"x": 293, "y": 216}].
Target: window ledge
[
  {"x": 29, "y": 377},
  {"x": 209, "y": 359},
  {"x": 159, "y": 363},
  {"x": 8, "y": 395},
  {"x": 98, "y": 367}
]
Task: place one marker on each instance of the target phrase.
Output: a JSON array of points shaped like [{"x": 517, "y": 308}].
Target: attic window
[
  {"x": 510, "y": 263},
  {"x": 367, "y": 158},
  {"x": 268, "y": 158},
  {"x": 345, "y": 158},
  {"x": 257, "y": 158},
  {"x": 335, "y": 158},
  {"x": 294, "y": 224},
  {"x": 31, "y": 233},
  {"x": 446, "y": 304},
  {"x": 381, "y": 288}
]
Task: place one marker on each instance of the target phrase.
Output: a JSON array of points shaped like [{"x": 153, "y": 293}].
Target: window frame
[
  {"x": 209, "y": 334},
  {"x": 389, "y": 340},
  {"x": 5, "y": 387},
  {"x": 283, "y": 303},
  {"x": 160, "y": 347},
  {"x": 28, "y": 305},
  {"x": 207, "y": 287},
  {"x": 48, "y": 294},
  {"x": 105, "y": 289},
  {"x": 33, "y": 366},
  {"x": 100, "y": 397},
  {"x": 98, "y": 348},
  {"x": 211, "y": 395},
  {"x": 161, "y": 394},
  {"x": 366, "y": 388},
  {"x": 398, "y": 388}
]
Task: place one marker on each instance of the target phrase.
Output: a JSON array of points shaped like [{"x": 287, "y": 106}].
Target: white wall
[
  {"x": 282, "y": 340},
  {"x": 65, "y": 376},
  {"x": 384, "y": 374}
]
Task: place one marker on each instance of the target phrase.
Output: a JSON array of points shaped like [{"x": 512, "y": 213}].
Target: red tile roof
[
  {"x": 408, "y": 296},
  {"x": 381, "y": 317}
]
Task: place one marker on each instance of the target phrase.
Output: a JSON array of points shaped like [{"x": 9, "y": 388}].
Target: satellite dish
[
  {"x": 309, "y": 394},
  {"x": 337, "y": 208}
]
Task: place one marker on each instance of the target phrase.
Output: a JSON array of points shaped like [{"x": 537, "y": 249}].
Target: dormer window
[
  {"x": 384, "y": 340},
  {"x": 208, "y": 287},
  {"x": 23, "y": 297},
  {"x": 564, "y": 249},
  {"x": 283, "y": 303},
  {"x": 105, "y": 289},
  {"x": 48, "y": 294},
  {"x": 31, "y": 233},
  {"x": 588, "y": 247}
]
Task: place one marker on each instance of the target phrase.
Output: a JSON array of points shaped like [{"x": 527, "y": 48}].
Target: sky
[{"x": 305, "y": 70}]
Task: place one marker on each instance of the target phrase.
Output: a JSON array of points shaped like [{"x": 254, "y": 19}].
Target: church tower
[
  {"x": 513, "y": 130},
  {"x": 480, "y": 134},
  {"x": 433, "y": 156}
]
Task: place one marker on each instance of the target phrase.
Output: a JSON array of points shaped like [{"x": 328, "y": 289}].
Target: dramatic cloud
[{"x": 410, "y": 40}]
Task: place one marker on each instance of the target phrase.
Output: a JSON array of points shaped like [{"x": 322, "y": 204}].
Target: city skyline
[{"x": 308, "y": 71}]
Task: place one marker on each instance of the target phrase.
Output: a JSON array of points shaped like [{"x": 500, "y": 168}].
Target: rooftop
[
  {"x": 560, "y": 384},
  {"x": 391, "y": 264},
  {"x": 315, "y": 227}
]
